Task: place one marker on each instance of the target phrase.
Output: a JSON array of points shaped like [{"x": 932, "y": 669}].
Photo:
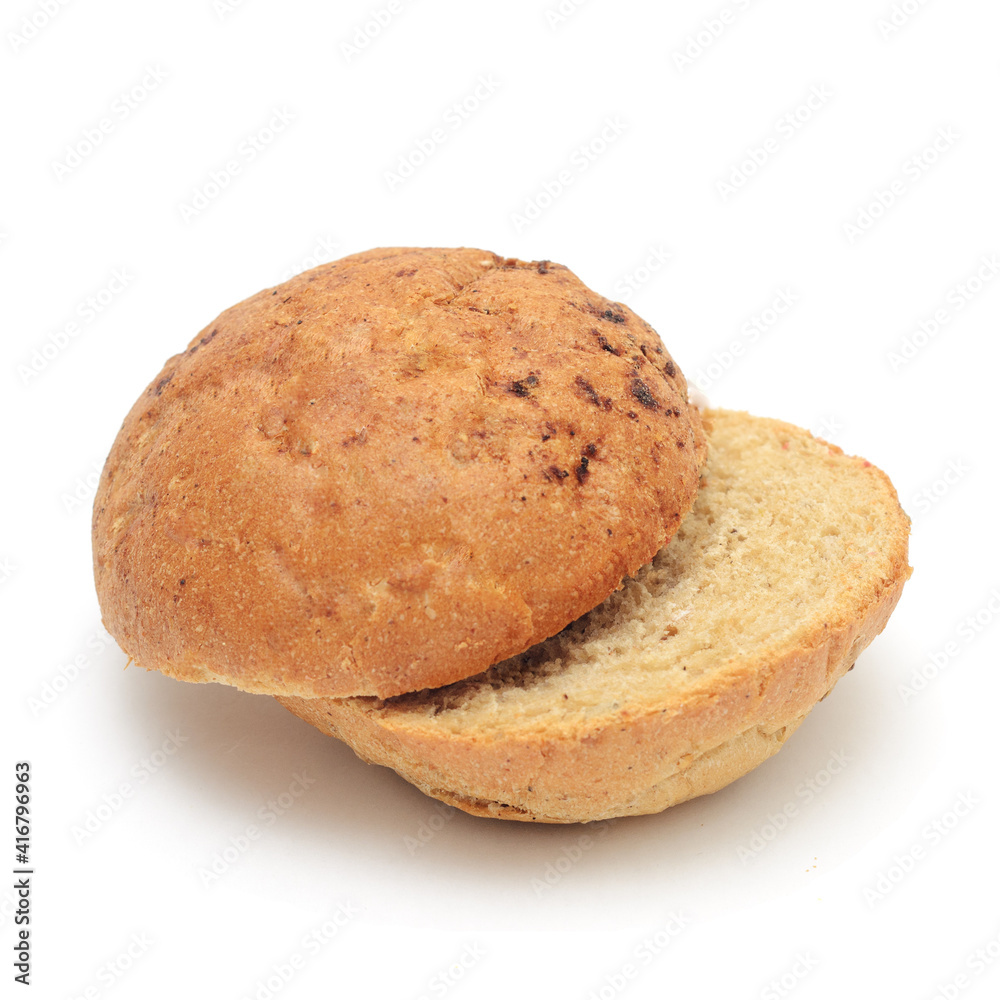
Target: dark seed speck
[
  {"x": 588, "y": 390},
  {"x": 641, "y": 392}
]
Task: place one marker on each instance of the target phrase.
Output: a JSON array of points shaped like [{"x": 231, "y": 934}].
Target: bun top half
[{"x": 389, "y": 473}]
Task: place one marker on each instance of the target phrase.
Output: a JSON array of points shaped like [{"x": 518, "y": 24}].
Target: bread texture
[
  {"x": 692, "y": 674},
  {"x": 388, "y": 474}
]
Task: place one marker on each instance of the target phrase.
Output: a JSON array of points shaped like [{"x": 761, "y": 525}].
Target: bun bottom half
[{"x": 693, "y": 673}]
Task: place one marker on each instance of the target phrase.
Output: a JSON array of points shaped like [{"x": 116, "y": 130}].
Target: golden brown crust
[
  {"x": 645, "y": 755},
  {"x": 389, "y": 473}
]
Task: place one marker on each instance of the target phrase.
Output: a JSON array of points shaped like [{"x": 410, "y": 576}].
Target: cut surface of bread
[
  {"x": 389, "y": 473},
  {"x": 691, "y": 674}
]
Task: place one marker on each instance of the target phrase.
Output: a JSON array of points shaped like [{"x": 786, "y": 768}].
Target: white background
[{"x": 821, "y": 908}]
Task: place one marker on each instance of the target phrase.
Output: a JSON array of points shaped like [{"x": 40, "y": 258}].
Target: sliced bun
[
  {"x": 390, "y": 473},
  {"x": 695, "y": 672}
]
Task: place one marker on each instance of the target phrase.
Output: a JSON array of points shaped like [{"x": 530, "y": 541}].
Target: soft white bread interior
[{"x": 691, "y": 674}]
